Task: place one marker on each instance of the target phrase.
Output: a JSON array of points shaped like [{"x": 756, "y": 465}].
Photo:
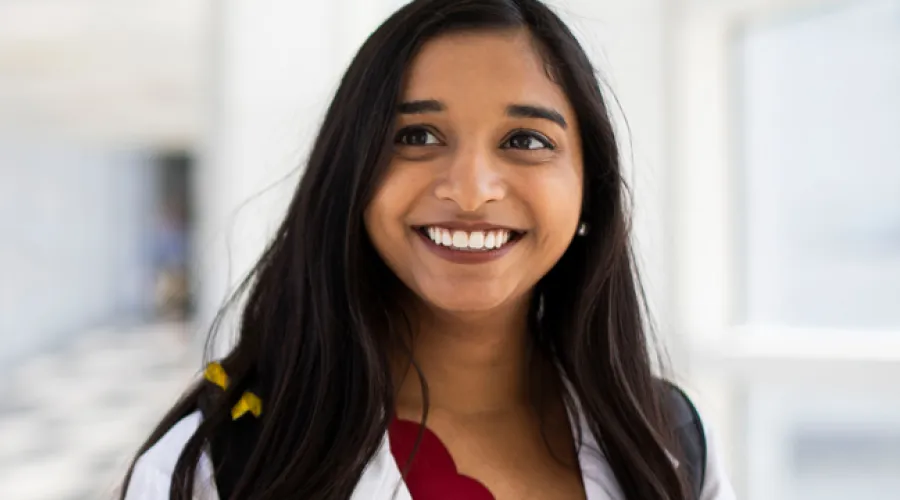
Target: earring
[{"x": 583, "y": 229}]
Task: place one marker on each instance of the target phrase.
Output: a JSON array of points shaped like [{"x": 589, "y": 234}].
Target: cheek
[
  {"x": 556, "y": 204},
  {"x": 386, "y": 215},
  {"x": 381, "y": 223},
  {"x": 557, "y": 228}
]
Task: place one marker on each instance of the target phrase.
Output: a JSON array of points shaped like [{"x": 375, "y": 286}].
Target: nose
[{"x": 472, "y": 179}]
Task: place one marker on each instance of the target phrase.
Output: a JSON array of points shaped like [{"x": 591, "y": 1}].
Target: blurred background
[{"x": 147, "y": 150}]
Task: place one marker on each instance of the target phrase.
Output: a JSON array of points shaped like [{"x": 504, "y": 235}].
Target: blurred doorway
[{"x": 173, "y": 296}]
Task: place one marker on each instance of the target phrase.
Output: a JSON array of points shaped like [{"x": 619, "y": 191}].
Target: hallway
[{"x": 70, "y": 419}]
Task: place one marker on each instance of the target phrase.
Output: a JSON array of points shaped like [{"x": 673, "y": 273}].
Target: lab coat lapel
[
  {"x": 596, "y": 474},
  {"x": 381, "y": 479}
]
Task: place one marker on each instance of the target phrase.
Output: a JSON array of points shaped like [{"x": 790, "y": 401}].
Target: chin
[
  {"x": 456, "y": 306},
  {"x": 452, "y": 300}
]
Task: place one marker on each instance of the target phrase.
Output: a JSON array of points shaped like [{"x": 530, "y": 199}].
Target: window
[
  {"x": 817, "y": 121},
  {"x": 786, "y": 141},
  {"x": 818, "y": 130}
]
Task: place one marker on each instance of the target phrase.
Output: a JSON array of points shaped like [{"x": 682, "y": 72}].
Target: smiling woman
[
  {"x": 483, "y": 158},
  {"x": 467, "y": 321}
]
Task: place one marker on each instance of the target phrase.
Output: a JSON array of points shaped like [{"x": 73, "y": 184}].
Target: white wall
[{"x": 272, "y": 76}]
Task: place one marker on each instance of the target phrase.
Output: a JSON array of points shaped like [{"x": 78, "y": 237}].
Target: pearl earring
[{"x": 582, "y": 229}]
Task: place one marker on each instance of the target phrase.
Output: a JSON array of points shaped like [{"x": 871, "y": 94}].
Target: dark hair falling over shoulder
[{"x": 317, "y": 322}]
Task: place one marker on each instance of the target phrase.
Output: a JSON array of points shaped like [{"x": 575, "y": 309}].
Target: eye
[
  {"x": 416, "y": 136},
  {"x": 528, "y": 141}
]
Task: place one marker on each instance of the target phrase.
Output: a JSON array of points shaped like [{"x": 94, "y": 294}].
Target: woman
[{"x": 456, "y": 255}]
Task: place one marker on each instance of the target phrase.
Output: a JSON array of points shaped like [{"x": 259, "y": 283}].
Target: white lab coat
[{"x": 381, "y": 480}]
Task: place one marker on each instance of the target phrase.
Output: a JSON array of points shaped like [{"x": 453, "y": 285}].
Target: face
[{"x": 483, "y": 192}]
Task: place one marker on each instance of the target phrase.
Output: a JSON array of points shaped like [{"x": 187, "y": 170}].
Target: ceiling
[{"x": 117, "y": 71}]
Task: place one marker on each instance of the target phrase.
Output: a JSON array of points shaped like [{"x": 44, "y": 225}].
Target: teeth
[
  {"x": 472, "y": 241},
  {"x": 460, "y": 239},
  {"x": 490, "y": 241},
  {"x": 476, "y": 240}
]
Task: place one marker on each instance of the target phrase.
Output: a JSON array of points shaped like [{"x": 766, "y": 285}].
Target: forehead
[{"x": 489, "y": 67}]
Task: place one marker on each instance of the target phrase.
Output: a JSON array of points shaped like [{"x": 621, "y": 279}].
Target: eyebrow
[
  {"x": 423, "y": 106},
  {"x": 531, "y": 111},
  {"x": 420, "y": 107}
]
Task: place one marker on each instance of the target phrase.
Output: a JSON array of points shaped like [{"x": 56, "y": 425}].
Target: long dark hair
[{"x": 321, "y": 304}]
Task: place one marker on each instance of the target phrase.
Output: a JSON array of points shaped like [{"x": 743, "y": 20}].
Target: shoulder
[
  {"x": 152, "y": 475},
  {"x": 700, "y": 445},
  {"x": 716, "y": 484},
  {"x": 163, "y": 455}
]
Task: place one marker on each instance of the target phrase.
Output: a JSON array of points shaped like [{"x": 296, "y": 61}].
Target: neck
[{"x": 474, "y": 364}]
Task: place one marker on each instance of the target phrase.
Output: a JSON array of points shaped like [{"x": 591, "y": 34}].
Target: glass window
[{"x": 819, "y": 147}]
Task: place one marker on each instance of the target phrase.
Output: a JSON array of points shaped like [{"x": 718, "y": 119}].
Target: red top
[{"x": 432, "y": 475}]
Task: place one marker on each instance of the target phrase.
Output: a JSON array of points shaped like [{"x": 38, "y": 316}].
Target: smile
[{"x": 470, "y": 241}]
